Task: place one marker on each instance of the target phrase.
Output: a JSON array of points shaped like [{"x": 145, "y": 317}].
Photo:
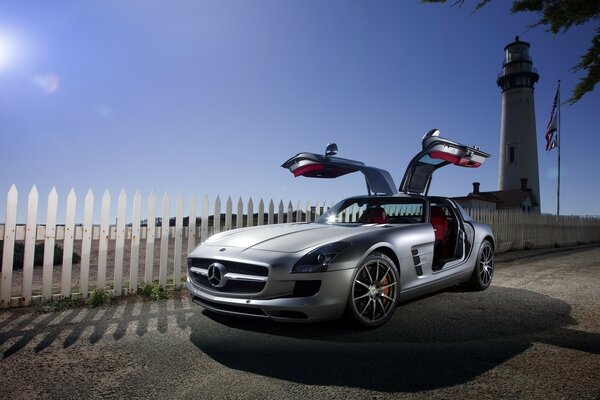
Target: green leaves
[{"x": 590, "y": 62}]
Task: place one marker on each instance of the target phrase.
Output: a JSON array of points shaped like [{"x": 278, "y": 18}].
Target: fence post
[
  {"x": 49, "y": 242},
  {"x": 30, "y": 238},
  {"x": 8, "y": 251},
  {"x": 271, "y": 213},
  {"x": 239, "y": 219},
  {"x": 228, "y": 212},
  {"x": 135, "y": 242},
  {"x": 298, "y": 213},
  {"x": 261, "y": 212},
  {"x": 67, "y": 261},
  {"x": 150, "y": 236},
  {"x": 192, "y": 224},
  {"x": 164, "y": 242},
  {"x": 104, "y": 237},
  {"x": 217, "y": 216},
  {"x": 250, "y": 213},
  {"x": 178, "y": 241},
  {"x": 280, "y": 212},
  {"x": 204, "y": 220},
  {"x": 120, "y": 243},
  {"x": 86, "y": 244}
]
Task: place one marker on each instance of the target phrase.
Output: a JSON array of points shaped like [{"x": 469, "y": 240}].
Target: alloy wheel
[
  {"x": 374, "y": 291},
  {"x": 486, "y": 264}
]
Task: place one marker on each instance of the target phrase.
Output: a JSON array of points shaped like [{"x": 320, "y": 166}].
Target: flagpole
[{"x": 558, "y": 145}]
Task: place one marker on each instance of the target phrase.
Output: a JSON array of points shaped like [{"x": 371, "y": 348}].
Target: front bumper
[{"x": 328, "y": 303}]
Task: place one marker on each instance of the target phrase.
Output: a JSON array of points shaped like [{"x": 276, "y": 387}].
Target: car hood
[{"x": 285, "y": 238}]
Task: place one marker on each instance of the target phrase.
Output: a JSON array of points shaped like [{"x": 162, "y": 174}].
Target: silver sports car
[{"x": 361, "y": 258}]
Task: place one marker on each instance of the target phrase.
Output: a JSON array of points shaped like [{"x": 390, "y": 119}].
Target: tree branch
[
  {"x": 559, "y": 16},
  {"x": 590, "y": 62}
]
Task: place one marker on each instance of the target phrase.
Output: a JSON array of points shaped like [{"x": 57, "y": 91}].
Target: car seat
[
  {"x": 375, "y": 215},
  {"x": 442, "y": 233},
  {"x": 439, "y": 222}
]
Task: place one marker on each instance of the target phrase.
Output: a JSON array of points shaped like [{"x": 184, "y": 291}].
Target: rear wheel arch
[{"x": 491, "y": 240}]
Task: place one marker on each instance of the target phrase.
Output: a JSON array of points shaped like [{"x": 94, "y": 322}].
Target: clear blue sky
[{"x": 210, "y": 97}]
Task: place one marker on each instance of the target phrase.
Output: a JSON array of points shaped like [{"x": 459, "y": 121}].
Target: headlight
[{"x": 319, "y": 259}]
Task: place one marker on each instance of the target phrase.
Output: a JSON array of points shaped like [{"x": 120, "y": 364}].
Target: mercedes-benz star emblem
[{"x": 216, "y": 275}]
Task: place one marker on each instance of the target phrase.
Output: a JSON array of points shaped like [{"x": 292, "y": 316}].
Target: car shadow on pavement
[{"x": 435, "y": 342}]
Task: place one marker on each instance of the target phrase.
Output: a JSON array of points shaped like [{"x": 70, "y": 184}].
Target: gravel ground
[{"x": 534, "y": 334}]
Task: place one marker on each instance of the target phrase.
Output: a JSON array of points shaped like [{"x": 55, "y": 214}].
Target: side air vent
[{"x": 417, "y": 262}]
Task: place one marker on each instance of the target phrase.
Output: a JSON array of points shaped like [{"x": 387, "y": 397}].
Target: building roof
[
  {"x": 505, "y": 197},
  {"x": 472, "y": 196},
  {"x": 509, "y": 197},
  {"x": 512, "y": 197}
]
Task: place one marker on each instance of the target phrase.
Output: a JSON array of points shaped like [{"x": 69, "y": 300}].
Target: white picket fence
[
  {"x": 111, "y": 251},
  {"x": 518, "y": 231},
  {"x": 102, "y": 247}
]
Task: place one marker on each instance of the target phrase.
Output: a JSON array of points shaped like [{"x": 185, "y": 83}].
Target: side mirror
[
  {"x": 331, "y": 150},
  {"x": 431, "y": 133}
]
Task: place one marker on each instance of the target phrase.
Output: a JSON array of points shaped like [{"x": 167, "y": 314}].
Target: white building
[{"x": 518, "y": 137}]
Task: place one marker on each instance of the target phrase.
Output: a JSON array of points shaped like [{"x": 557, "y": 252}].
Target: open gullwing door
[
  {"x": 437, "y": 153},
  {"x": 311, "y": 165}
]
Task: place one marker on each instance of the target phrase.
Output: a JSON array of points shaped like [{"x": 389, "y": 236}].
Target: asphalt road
[{"x": 534, "y": 334}]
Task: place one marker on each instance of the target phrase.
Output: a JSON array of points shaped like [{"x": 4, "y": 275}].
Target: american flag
[{"x": 551, "y": 136}]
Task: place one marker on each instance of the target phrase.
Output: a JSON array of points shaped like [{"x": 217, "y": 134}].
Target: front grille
[
  {"x": 233, "y": 267},
  {"x": 230, "y": 286},
  {"x": 237, "y": 285}
]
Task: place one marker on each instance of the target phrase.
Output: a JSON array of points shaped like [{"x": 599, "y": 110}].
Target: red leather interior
[{"x": 439, "y": 222}]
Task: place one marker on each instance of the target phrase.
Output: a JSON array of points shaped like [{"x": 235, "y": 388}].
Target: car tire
[
  {"x": 374, "y": 291},
  {"x": 484, "y": 268}
]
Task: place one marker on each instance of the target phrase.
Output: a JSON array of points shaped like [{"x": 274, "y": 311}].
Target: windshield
[{"x": 375, "y": 210}]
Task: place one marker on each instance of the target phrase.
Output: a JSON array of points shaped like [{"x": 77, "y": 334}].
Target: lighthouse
[{"x": 518, "y": 161}]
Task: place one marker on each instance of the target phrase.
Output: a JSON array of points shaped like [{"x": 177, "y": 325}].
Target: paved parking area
[{"x": 534, "y": 334}]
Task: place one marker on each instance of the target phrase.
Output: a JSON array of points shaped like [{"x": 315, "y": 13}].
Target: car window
[{"x": 375, "y": 211}]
